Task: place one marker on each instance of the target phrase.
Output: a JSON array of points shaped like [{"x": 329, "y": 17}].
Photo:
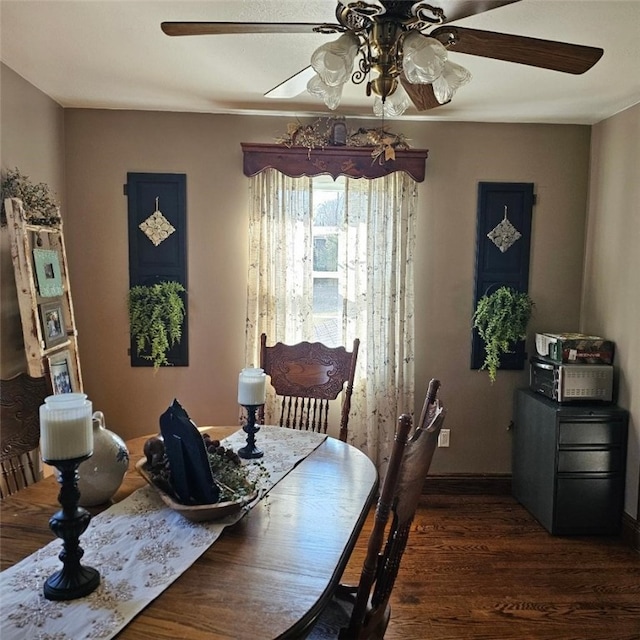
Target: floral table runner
[{"x": 139, "y": 546}]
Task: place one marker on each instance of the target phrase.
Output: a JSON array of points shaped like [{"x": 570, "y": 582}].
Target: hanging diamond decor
[
  {"x": 504, "y": 235},
  {"x": 156, "y": 227}
]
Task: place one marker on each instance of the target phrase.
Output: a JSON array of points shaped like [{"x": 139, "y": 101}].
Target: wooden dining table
[{"x": 268, "y": 576}]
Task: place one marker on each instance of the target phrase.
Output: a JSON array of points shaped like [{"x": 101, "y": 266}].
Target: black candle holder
[
  {"x": 73, "y": 580},
  {"x": 250, "y": 450}
]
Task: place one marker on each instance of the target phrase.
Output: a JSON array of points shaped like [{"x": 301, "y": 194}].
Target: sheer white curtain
[{"x": 376, "y": 282}]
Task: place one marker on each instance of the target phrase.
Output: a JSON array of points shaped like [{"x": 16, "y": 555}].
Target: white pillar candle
[
  {"x": 66, "y": 427},
  {"x": 252, "y": 387}
]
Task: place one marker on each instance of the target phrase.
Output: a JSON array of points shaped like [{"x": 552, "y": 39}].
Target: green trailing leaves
[
  {"x": 501, "y": 319},
  {"x": 156, "y": 314}
]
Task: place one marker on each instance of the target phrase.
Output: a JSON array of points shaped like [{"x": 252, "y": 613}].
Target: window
[
  {"x": 328, "y": 197},
  {"x": 332, "y": 261}
]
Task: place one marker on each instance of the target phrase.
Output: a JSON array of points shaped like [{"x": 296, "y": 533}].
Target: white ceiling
[{"x": 111, "y": 54}]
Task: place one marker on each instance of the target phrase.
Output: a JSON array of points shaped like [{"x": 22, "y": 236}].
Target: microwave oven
[{"x": 571, "y": 382}]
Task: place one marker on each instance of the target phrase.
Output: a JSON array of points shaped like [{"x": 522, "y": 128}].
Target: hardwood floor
[{"x": 481, "y": 568}]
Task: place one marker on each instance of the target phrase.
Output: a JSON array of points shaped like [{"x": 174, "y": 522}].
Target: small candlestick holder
[
  {"x": 73, "y": 580},
  {"x": 250, "y": 450}
]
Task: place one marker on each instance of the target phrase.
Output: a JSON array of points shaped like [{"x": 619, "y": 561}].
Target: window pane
[
  {"x": 326, "y": 296},
  {"x": 328, "y": 216},
  {"x": 329, "y": 212},
  {"x": 327, "y": 331},
  {"x": 328, "y": 201},
  {"x": 325, "y": 253}
]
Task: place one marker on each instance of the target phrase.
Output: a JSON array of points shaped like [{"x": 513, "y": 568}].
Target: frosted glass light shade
[
  {"x": 330, "y": 95},
  {"x": 333, "y": 61},
  {"x": 452, "y": 78},
  {"x": 423, "y": 58},
  {"x": 395, "y": 104}
]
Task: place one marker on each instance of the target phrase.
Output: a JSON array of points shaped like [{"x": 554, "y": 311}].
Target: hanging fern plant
[
  {"x": 156, "y": 315},
  {"x": 501, "y": 319}
]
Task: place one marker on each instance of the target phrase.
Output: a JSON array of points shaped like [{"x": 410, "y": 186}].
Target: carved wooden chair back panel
[
  {"x": 308, "y": 376},
  {"x": 20, "y": 400}
]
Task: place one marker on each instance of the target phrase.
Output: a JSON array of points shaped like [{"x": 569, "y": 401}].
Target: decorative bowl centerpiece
[
  {"x": 193, "y": 474},
  {"x": 198, "y": 512}
]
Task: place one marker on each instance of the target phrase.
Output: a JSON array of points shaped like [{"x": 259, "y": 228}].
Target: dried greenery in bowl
[{"x": 227, "y": 471}]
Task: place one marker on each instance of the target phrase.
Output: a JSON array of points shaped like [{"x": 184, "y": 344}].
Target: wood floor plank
[{"x": 481, "y": 568}]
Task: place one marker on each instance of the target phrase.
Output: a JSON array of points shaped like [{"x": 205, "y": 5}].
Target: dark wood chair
[
  {"x": 363, "y": 612},
  {"x": 308, "y": 376},
  {"x": 20, "y": 400}
]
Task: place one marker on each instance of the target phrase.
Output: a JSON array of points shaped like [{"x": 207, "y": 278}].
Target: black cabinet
[{"x": 568, "y": 464}]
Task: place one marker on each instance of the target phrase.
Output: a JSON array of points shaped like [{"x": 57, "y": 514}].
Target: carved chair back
[
  {"x": 367, "y": 617},
  {"x": 20, "y": 400},
  {"x": 308, "y": 376}
]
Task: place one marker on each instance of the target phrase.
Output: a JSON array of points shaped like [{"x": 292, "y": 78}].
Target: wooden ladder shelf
[{"x": 51, "y": 350}]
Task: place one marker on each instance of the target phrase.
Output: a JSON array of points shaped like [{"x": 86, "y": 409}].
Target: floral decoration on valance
[
  {"x": 334, "y": 131},
  {"x": 328, "y": 147}
]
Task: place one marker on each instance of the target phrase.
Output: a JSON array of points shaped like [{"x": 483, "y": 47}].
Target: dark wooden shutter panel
[
  {"x": 149, "y": 263},
  {"x": 495, "y": 268}
]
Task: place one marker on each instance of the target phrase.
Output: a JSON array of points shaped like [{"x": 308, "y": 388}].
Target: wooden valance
[{"x": 354, "y": 162}]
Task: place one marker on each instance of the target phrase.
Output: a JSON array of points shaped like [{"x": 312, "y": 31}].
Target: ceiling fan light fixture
[
  {"x": 423, "y": 58},
  {"x": 384, "y": 86},
  {"x": 333, "y": 61},
  {"x": 394, "y": 41},
  {"x": 331, "y": 95},
  {"x": 453, "y": 77},
  {"x": 394, "y": 105}
]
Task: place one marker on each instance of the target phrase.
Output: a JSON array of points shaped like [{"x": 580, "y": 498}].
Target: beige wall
[
  {"x": 611, "y": 300},
  {"x": 102, "y": 146},
  {"x": 32, "y": 139}
]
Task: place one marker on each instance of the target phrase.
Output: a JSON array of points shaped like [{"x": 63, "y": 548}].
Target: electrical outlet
[{"x": 443, "y": 438}]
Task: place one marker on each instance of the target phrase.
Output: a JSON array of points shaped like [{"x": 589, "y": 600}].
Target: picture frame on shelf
[
  {"x": 48, "y": 273},
  {"x": 61, "y": 372},
  {"x": 53, "y": 325}
]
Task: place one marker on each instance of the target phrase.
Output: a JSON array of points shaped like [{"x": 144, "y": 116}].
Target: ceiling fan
[{"x": 400, "y": 48}]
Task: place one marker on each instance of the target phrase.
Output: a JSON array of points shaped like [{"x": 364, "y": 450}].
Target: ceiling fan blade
[
  {"x": 421, "y": 95},
  {"x": 458, "y": 9},
  {"x": 454, "y": 10},
  {"x": 220, "y": 28},
  {"x": 292, "y": 86},
  {"x": 547, "y": 54}
]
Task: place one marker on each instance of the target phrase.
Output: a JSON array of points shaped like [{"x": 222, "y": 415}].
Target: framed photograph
[
  {"x": 53, "y": 328},
  {"x": 48, "y": 274},
  {"x": 61, "y": 373}
]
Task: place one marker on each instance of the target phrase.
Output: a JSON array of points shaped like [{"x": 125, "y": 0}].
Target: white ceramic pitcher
[{"x": 100, "y": 476}]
